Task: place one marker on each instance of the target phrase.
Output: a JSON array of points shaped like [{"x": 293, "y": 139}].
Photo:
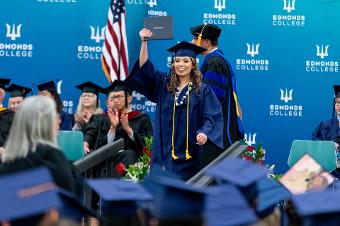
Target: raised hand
[
  {"x": 125, "y": 124},
  {"x": 114, "y": 118},
  {"x": 145, "y": 33}
]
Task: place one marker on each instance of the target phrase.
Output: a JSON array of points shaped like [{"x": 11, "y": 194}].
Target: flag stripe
[{"x": 115, "y": 49}]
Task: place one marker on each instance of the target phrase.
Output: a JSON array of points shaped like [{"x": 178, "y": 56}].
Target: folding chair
[
  {"x": 323, "y": 152},
  {"x": 71, "y": 144}
]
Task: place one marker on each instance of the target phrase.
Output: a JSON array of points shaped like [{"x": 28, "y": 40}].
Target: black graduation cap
[
  {"x": 49, "y": 86},
  {"x": 186, "y": 49},
  {"x": 206, "y": 31},
  {"x": 116, "y": 86},
  {"x": 17, "y": 90},
  {"x": 4, "y": 82},
  {"x": 89, "y": 87}
]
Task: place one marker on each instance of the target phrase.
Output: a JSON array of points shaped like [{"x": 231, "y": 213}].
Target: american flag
[{"x": 115, "y": 52}]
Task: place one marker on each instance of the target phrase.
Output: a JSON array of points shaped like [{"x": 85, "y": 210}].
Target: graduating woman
[{"x": 188, "y": 113}]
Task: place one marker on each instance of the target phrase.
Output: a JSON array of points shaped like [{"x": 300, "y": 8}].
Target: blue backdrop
[{"x": 284, "y": 52}]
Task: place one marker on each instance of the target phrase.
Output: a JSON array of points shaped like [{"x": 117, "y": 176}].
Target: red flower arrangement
[{"x": 141, "y": 168}]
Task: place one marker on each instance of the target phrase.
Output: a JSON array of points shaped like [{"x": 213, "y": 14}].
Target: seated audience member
[
  {"x": 17, "y": 95},
  {"x": 88, "y": 104},
  {"x": 36, "y": 200},
  {"x": 330, "y": 129},
  {"x": 119, "y": 122},
  {"x": 121, "y": 201},
  {"x": 49, "y": 89},
  {"x": 32, "y": 143},
  {"x": 175, "y": 202},
  {"x": 6, "y": 115}
]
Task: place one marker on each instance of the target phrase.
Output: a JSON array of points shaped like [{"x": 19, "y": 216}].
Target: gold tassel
[
  {"x": 199, "y": 39},
  {"x": 173, "y": 154},
  {"x": 187, "y": 155}
]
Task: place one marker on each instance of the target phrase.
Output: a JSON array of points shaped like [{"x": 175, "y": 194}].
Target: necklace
[{"x": 184, "y": 97}]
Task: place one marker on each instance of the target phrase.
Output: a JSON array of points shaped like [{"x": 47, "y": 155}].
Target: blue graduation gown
[
  {"x": 328, "y": 130},
  {"x": 205, "y": 115},
  {"x": 218, "y": 74}
]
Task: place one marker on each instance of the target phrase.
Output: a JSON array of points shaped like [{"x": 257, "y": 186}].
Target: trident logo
[
  {"x": 219, "y": 5},
  {"x": 97, "y": 34},
  {"x": 252, "y": 49},
  {"x": 14, "y": 32},
  {"x": 289, "y": 5},
  {"x": 322, "y": 52},
  {"x": 285, "y": 96},
  {"x": 152, "y": 3},
  {"x": 250, "y": 140},
  {"x": 138, "y": 96}
]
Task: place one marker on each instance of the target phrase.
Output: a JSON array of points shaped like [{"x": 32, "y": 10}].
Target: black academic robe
[
  {"x": 6, "y": 118},
  {"x": 96, "y": 130},
  {"x": 328, "y": 130},
  {"x": 63, "y": 172},
  {"x": 218, "y": 74},
  {"x": 205, "y": 115}
]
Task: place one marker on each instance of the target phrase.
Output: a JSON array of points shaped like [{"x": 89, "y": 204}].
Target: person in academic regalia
[
  {"x": 17, "y": 95},
  {"x": 330, "y": 129},
  {"x": 49, "y": 89},
  {"x": 32, "y": 143},
  {"x": 188, "y": 113},
  {"x": 219, "y": 75},
  {"x": 88, "y": 104},
  {"x": 6, "y": 115},
  {"x": 119, "y": 122}
]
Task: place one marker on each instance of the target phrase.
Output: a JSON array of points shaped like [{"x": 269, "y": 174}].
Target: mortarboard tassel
[{"x": 199, "y": 38}]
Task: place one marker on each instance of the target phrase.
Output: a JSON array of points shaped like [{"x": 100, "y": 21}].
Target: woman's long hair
[
  {"x": 33, "y": 124},
  {"x": 195, "y": 77}
]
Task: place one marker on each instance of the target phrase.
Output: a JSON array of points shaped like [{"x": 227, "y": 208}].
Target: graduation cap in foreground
[
  {"x": 31, "y": 194},
  {"x": 241, "y": 173},
  {"x": 49, "y": 86},
  {"x": 4, "y": 82},
  {"x": 206, "y": 31},
  {"x": 318, "y": 207},
  {"x": 119, "y": 197},
  {"x": 305, "y": 175},
  {"x": 173, "y": 198},
  {"x": 89, "y": 87},
  {"x": 186, "y": 49},
  {"x": 17, "y": 90},
  {"x": 226, "y": 206},
  {"x": 270, "y": 194}
]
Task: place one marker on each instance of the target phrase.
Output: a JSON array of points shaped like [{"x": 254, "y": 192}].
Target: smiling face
[
  {"x": 89, "y": 99},
  {"x": 183, "y": 66}
]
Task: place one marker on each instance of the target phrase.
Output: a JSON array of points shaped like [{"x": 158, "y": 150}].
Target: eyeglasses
[
  {"x": 88, "y": 95},
  {"x": 337, "y": 103},
  {"x": 117, "y": 97}
]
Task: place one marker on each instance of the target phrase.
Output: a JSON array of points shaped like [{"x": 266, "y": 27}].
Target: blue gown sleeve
[
  {"x": 146, "y": 80},
  {"x": 322, "y": 132},
  {"x": 212, "y": 118}
]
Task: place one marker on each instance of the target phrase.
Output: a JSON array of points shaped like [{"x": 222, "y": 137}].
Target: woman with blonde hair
[
  {"x": 32, "y": 143},
  {"x": 188, "y": 112},
  {"x": 88, "y": 105}
]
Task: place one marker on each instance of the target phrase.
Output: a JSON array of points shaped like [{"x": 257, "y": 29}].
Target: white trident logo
[
  {"x": 322, "y": 52},
  {"x": 252, "y": 49},
  {"x": 250, "y": 140},
  {"x": 285, "y": 96},
  {"x": 219, "y": 5},
  {"x": 97, "y": 34},
  {"x": 289, "y": 5},
  {"x": 138, "y": 96},
  {"x": 152, "y": 3},
  {"x": 14, "y": 32}
]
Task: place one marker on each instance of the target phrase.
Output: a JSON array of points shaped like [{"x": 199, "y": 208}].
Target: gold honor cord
[{"x": 187, "y": 155}]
